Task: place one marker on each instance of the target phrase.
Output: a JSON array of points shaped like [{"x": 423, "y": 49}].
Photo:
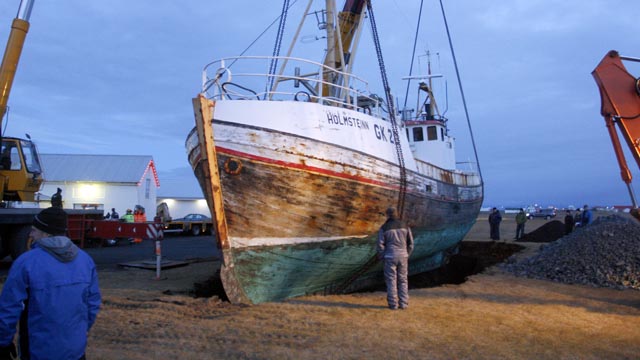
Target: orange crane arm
[{"x": 620, "y": 95}]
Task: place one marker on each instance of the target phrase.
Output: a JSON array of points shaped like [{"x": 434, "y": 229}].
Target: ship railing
[
  {"x": 244, "y": 78},
  {"x": 456, "y": 176}
]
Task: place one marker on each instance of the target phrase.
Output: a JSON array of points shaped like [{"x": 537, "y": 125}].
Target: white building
[
  {"x": 182, "y": 194},
  {"x": 101, "y": 181}
]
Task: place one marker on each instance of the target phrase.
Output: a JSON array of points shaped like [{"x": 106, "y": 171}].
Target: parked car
[
  {"x": 543, "y": 213},
  {"x": 195, "y": 224}
]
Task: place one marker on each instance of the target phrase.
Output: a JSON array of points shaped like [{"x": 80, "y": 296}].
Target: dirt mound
[{"x": 551, "y": 231}]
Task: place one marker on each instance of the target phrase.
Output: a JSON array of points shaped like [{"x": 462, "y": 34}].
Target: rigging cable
[
  {"x": 392, "y": 112},
  {"x": 464, "y": 102},
  {"x": 276, "y": 48},
  {"x": 252, "y": 43},
  {"x": 413, "y": 56}
]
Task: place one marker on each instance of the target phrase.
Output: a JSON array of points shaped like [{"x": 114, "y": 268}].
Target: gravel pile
[{"x": 604, "y": 254}]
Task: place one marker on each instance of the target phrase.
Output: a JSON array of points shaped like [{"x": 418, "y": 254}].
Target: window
[
  {"x": 432, "y": 133},
  {"x": 442, "y": 134},
  {"x": 147, "y": 188},
  {"x": 30, "y": 156},
  {"x": 417, "y": 134},
  {"x": 10, "y": 158}
]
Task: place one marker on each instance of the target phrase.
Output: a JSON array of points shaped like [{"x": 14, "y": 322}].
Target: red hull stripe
[{"x": 303, "y": 167}]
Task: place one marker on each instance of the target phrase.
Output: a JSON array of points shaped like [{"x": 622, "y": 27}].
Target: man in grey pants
[{"x": 395, "y": 244}]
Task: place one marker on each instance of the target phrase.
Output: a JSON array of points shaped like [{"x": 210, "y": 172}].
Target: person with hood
[
  {"x": 52, "y": 290},
  {"x": 395, "y": 244}
]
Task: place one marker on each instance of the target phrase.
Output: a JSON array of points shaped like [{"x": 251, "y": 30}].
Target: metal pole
[
  {"x": 158, "y": 258},
  {"x": 24, "y": 12},
  {"x": 633, "y": 195}
]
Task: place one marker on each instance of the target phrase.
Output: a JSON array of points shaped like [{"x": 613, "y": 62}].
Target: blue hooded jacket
[{"x": 59, "y": 284}]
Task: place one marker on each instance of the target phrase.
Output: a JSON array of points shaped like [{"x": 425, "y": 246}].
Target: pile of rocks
[{"x": 605, "y": 253}]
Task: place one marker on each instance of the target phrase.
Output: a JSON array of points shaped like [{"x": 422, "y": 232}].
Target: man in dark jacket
[
  {"x": 568, "y": 223},
  {"x": 56, "y": 199},
  {"x": 53, "y": 291},
  {"x": 494, "y": 224},
  {"x": 395, "y": 244},
  {"x": 521, "y": 220}
]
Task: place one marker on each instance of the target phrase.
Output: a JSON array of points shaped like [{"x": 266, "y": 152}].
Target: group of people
[
  {"x": 571, "y": 221},
  {"x": 136, "y": 215},
  {"x": 579, "y": 219}
]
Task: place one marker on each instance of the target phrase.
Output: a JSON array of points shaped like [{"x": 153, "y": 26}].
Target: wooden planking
[
  {"x": 206, "y": 170},
  {"x": 203, "y": 112}
]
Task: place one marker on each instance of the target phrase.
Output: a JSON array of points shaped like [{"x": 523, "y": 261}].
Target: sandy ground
[{"x": 492, "y": 315}]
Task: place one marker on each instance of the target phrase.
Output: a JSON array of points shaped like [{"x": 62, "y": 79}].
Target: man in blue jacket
[
  {"x": 586, "y": 216},
  {"x": 53, "y": 291},
  {"x": 395, "y": 244}
]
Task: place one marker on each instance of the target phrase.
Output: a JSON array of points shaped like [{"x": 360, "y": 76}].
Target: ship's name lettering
[
  {"x": 344, "y": 120},
  {"x": 383, "y": 134}
]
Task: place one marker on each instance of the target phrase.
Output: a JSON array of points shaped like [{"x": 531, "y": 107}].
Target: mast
[{"x": 340, "y": 44}]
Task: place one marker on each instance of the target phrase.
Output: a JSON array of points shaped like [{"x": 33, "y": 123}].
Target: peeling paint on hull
[{"x": 318, "y": 218}]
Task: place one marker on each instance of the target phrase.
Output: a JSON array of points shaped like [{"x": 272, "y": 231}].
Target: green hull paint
[{"x": 280, "y": 272}]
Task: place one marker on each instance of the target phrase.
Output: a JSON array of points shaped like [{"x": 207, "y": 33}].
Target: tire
[
  {"x": 195, "y": 230},
  {"x": 19, "y": 240},
  {"x": 547, "y": 217}
]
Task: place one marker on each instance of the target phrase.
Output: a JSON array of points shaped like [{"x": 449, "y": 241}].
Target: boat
[{"x": 299, "y": 163}]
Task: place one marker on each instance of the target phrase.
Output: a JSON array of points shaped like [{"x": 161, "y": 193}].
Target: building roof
[{"x": 99, "y": 168}]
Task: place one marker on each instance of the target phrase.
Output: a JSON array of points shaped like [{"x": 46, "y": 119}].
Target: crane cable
[
  {"x": 464, "y": 102},
  {"x": 413, "y": 56},
  {"x": 392, "y": 113},
  {"x": 276, "y": 48}
]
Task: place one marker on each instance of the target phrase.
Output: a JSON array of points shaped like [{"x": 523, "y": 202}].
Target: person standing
[
  {"x": 395, "y": 244},
  {"x": 568, "y": 223},
  {"x": 56, "y": 199},
  {"x": 586, "y": 216},
  {"x": 139, "y": 217},
  {"x": 53, "y": 291},
  {"x": 494, "y": 224},
  {"x": 114, "y": 214},
  {"x": 577, "y": 219},
  {"x": 521, "y": 219},
  {"x": 128, "y": 217}
]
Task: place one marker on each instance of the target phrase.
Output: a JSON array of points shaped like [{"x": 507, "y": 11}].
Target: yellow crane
[{"x": 20, "y": 170}]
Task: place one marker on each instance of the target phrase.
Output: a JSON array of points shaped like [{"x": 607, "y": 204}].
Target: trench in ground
[{"x": 473, "y": 258}]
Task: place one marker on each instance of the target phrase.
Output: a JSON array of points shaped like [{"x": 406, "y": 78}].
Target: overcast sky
[{"x": 117, "y": 77}]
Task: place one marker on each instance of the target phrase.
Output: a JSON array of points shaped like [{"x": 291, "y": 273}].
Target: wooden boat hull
[{"x": 300, "y": 222}]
